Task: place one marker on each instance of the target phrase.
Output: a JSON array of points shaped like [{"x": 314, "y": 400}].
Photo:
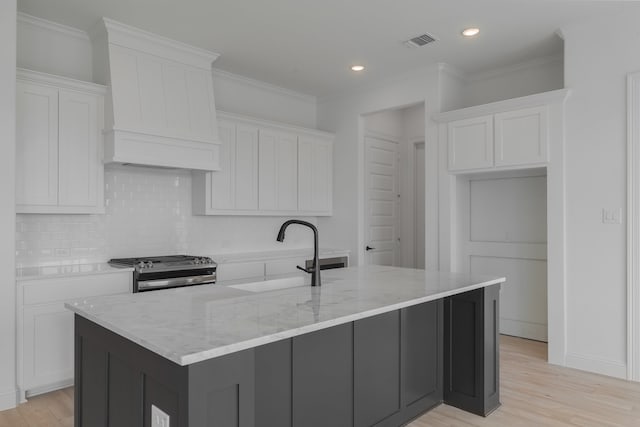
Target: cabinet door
[
  {"x": 376, "y": 365},
  {"x": 315, "y": 173},
  {"x": 471, "y": 143},
  {"x": 36, "y": 145},
  {"x": 278, "y": 171},
  {"x": 223, "y": 181},
  {"x": 246, "y": 170},
  {"x": 323, "y": 378},
  {"x": 47, "y": 345},
  {"x": 521, "y": 137},
  {"x": 422, "y": 335},
  {"x": 471, "y": 352},
  {"x": 78, "y": 153}
]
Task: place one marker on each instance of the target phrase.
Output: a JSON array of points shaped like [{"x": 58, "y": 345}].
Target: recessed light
[
  {"x": 470, "y": 32},
  {"x": 357, "y": 68}
]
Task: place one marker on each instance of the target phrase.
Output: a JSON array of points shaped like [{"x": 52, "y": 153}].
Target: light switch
[
  {"x": 612, "y": 216},
  {"x": 158, "y": 417}
]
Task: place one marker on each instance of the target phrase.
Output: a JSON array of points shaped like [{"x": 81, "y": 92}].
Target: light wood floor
[{"x": 533, "y": 393}]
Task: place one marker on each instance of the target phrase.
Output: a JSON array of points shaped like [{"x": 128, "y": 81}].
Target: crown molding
[
  {"x": 24, "y": 18},
  {"x": 497, "y": 72},
  {"x": 254, "y": 121},
  {"x": 58, "y": 81},
  {"x": 554, "y": 96},
  {"x": 264, "y": 86},
  {"x": 453, "y": 71}
]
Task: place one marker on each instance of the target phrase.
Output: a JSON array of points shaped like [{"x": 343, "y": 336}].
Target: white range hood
[{"x": 160, "y": 110}]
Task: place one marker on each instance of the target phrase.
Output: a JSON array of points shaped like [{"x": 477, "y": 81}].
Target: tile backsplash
[{"x": 147, "y": 212}]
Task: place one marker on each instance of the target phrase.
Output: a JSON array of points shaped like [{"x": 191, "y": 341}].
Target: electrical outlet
[
  {"x": 612, "y": 216},
  {"x": 158, "y": 417}
]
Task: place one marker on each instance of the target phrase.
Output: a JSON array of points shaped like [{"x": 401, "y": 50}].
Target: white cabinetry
[
  {"x": 315, "y": 181},
  {"x": 521, "y": 137},
  {"x": 278, "y": 171},
  {"x": 58, "y": 151},
  {"x": 471, "y": 143},
  {"x": 514, "y": 135},
  {"x": 267, "y": 169},
  {"x": 45, "y": 326}
]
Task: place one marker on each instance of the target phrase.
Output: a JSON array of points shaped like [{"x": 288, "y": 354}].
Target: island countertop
[{"x": 193, "y": 324}]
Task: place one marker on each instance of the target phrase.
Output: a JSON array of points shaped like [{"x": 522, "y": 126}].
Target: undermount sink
[{"x": 270, "y": 285}]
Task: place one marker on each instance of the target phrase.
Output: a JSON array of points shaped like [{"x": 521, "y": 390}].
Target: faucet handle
[{"x": 305, "y": 269}]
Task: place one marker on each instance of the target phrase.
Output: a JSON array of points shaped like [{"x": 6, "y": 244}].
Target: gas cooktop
[{"x": 177, "y": 262}]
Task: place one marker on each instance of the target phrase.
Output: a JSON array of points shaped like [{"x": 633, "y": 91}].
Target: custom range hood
[{"x": 160, "y": 110}]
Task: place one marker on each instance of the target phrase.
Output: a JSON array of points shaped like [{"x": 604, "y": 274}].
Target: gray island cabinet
[{"x": 374, "y": 346}]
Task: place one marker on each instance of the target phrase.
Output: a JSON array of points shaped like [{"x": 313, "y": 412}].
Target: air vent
[{"x": 420, "y": 41}]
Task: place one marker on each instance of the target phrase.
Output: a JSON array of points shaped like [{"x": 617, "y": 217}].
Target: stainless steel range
[{"x": 164, "y": 272}]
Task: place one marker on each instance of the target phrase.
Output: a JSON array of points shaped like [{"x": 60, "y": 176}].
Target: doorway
[
  {"x": 394, "y": 187},
  {"x": 502, "y": 228}
]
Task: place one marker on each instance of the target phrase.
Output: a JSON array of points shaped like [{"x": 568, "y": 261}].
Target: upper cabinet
[
  {"x": 161, "y": 104},
  {"x": 267, "y": 168},
  {"x": 509, "y": 134},
  {"x": 471, "y": 143},
  {"x": 521, "y": 137},
  {"x": 58, "y": 145}
]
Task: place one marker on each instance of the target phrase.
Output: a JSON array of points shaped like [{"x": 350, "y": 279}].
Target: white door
[
  {"x": 382, "y": 201},
  {"x": 419, "y": 205},
  {"x": 503, "y": 231}
]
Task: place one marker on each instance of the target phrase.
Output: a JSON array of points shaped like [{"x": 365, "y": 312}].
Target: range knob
[{"x": 142, "y": 265}]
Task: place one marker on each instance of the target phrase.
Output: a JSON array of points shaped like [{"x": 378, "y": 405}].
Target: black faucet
[{"x": 315, "y": 267}]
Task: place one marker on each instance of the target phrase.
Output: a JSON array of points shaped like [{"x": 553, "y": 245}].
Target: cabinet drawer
[
  {"x": 240, "y": 270},
  {"x": 60, "y": 289}
]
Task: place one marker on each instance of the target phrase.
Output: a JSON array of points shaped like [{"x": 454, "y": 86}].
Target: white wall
[
  {"x": 596, "y": 65},
  {"x": 342, "y": 115},
  {"x": 534, "y": 76},
  {"x": 7, "y": 207},
  {"x": 242, "y": 95}
]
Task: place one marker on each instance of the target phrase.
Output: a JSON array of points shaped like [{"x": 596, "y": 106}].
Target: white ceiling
[{"x": 309, "y": 45}]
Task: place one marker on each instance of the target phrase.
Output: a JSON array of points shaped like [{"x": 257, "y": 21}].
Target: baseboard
[
  {"x": 596, "y": 365},
  {"x": 49, "y": 388},
  {"x": 8, "y": 399},
  {"x": 528, "y": 330}
]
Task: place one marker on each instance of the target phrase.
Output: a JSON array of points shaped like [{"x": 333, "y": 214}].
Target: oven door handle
[{"x": 145, "y": 285}]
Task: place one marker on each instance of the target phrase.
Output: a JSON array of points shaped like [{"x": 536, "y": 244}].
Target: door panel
[
  {"x": 382, "y": 201},
  {"x": 78, "y": 149},
  {"x": 36, "y": 145},
  {"x": 504, "y": 232},
  {"x": 246, "y": 177}
]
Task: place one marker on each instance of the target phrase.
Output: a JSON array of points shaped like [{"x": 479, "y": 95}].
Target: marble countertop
[
  {"x": 54, "y": 271},
  {"x": 51, "y": 271},
  {"x": 189, "y": 325}
]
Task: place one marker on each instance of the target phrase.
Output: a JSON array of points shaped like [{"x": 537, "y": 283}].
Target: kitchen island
[{"x": 373, "y": 346}]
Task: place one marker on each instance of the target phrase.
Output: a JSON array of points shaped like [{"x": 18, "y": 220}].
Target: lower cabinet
[
  {"x": 377, "y": 386},
  {"x": 471, "y": 364},
  {"x": 322, "y": 369},
  {"x": 45, "y": 327}
]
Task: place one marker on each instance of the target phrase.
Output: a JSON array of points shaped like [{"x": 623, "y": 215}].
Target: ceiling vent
[{"x": 420, "y": 41}]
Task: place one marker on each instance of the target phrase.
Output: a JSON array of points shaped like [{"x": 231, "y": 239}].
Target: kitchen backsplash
[{"x": 147, "y": 212}]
